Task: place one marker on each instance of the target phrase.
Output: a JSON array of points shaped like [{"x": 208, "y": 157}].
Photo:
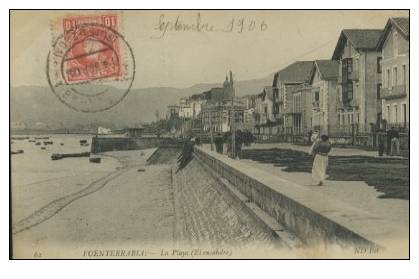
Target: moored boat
[{"x": 95, "y": 159}]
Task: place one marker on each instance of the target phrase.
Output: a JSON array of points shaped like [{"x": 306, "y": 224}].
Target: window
[
  {"x": 378, "y": 91},
  {"x": 349, "y": 65},
  {"x": 387, "y": 78},
  {"x": 350, "y": 91},
  {"x": 394, "y": 76},
  {"x": 404, "y": 114},
  {"x": 404, "y": 76},
  {"x": 388, "y": 113},
  {"x": 395, "y": 112},
  {"x": 379, "y": 69},
  {"x": 395, "y": 44}
]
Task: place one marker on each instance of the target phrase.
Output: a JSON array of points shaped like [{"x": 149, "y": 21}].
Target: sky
[{"x": 259, "y": 44}]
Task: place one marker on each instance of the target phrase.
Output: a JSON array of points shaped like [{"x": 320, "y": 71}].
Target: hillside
[{"x": 34, "y": 104}]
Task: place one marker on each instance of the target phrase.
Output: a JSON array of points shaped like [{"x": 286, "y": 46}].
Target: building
[
  {"x": 284, "y": 83},
  {"x": 264, "y": 114},
  {"x": 218, "y": 110},
  {"x": 323, "y": 82},
  {"x": 302, "y": 111},
  {"x": 187, "y": 108},
  {"x": 134, "y": 132},
  {"x": 394, "y": 48},
  {"x": 359, "y": 78},
  {"x": 173, "y": 111}
]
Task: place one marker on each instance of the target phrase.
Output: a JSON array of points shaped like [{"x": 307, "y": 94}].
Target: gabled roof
[
  {"x": 329, "y": 69},
  {"x": 401, "y": 24},
  {"x": 361, "y": 39},
  {"x": 268, "y": 92},
  {"x": 297, "y": 72}
]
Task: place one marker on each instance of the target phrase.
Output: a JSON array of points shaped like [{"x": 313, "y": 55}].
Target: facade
[
  {"x": 324, "y": 96},
  {"x": 264, "y": 114},
  {"x": 302, "y": 110},
  {"x": 187, "y": 108},
  {"x": 173, "y": 111},
  {"x": 217, "y": 118},
  {"x": 217, "y": 112},
  {"x": 359, "y": 78},
  {"x": 284, "y": 84},
  {"x": 394, "y": 48}
]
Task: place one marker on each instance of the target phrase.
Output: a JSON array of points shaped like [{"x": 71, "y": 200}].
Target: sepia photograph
[{"x": 209, "y": 134}]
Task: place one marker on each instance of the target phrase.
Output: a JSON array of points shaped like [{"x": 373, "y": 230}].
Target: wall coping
[{"x": 368, "y": 226}]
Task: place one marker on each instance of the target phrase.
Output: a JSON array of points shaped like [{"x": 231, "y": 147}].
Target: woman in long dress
[{"x": 320, "y": 150}]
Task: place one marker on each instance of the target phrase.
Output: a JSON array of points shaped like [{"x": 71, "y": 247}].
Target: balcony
[
  {"x": 345, "y": 77},
  {"x": 348, "y": 104},
  {"x": 394, "y": 92}
]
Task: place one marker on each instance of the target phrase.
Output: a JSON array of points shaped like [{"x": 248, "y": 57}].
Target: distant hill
[{"x": 35, "y": 105}]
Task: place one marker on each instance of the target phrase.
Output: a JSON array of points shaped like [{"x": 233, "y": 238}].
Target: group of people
[
  {"x": 392, "y": 138},
  {"x": 223, "y": 142}
]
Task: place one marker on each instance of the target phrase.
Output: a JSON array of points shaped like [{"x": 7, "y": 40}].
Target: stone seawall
[
  {"x": 104, "y": 144},
  {"x": 304, "y": 212}
]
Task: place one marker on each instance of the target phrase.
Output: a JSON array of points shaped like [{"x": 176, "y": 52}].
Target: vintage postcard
[{"x": 209, "y": 134}]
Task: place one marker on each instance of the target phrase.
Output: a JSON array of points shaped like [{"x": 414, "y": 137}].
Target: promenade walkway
[{"x": 383, "y": 219}]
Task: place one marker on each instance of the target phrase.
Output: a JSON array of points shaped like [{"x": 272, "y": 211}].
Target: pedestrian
[
  {"x": 394, "y": 141},
  {"x": 388, "y": 141},
  {"x": 239, "y": 144},
  {"x": 310, "y": 132},
  {"x": 380, "y": 144},
  {"x": 227, "y": 140},
  {"x": 219, "y": 143},
  {"x": 320, "y": 150}
]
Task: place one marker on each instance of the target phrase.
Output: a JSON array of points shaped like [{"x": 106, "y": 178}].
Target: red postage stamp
[
  {"x": 91, "y": 66},
  {"x": 93, "y": 51}
]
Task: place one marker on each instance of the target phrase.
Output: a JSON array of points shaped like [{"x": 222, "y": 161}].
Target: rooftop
[
  {"x": 402, "y": 24},
  {"x": 329, "y": 69},
  {"x": 297, "y": 72},
  {"x": 365, "y": 39}
]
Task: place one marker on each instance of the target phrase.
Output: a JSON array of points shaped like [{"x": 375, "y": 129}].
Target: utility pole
[
  {"x": 233, "y": 116},
  {"x": 210, "y": 124}
]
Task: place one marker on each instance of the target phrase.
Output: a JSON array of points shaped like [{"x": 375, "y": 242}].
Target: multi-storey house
[
  {"x": 284, "y": 83},
  {"x": 359, "y": 78},
  {"x": 323, "y": 84},
  {"x": 394, "y": 48},
  {"x": 264, "y": 110}
]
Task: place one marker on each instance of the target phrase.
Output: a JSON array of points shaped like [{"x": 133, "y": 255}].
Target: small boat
[
  {"x": 56, "y": 156},
  {"x": 94, "y": 159},
  {"x": 20, "y": 151},
  {"x": 20, "y": 138}
]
